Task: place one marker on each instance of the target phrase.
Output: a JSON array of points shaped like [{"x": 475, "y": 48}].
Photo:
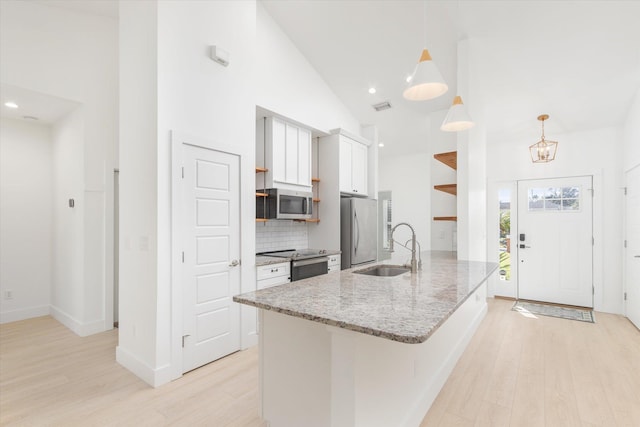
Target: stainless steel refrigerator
[{"x": 358, "y": 231}]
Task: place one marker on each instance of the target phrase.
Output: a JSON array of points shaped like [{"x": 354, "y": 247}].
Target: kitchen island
[{"x": 355, "y": 350}]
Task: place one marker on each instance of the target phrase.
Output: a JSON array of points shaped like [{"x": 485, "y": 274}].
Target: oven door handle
[{"x": 302, "y": 262}]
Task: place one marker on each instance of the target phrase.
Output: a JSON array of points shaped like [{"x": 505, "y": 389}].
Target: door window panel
[{"x": 554, "y": 199}]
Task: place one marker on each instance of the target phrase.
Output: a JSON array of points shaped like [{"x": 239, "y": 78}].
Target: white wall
[
  {"x": 472, "y": 155},
  {"x": 138, "y": 308},
  {"x": 25, "y": 219},
  {"x": 70, "y": 55},
  {"x": 181, "y": 90},
  {"x": 590, "y": 152},
  {"x": 631, "y": 136},
  {"x": 67, "y": 288},
  {"x": 409, "y": 180},
  {"x": 287, "y": 84}
]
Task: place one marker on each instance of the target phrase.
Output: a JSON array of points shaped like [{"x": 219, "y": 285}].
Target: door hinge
[
  {"x": 183, "y": 257},
  {"x": 625, "y": 243},
  {"x": 183, "y": 172},
  {"x": 593, "y": 290},
  {"x": 183, "y": 337},
  {"x": 593, "y": 241},
  {"x": 625, "y": 296},
  {"x": 625, "y": 190}
]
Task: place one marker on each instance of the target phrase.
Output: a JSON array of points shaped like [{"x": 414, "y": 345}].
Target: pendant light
[
  {"x": 426, "y": 82},
  {"x": 457, "y": 118},
  {"x": 543, "y": 151}
]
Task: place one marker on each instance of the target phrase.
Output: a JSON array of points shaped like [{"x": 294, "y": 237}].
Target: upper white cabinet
[
  {"x": 353, "y": 166},
  {"x": 285, "y": 150}
]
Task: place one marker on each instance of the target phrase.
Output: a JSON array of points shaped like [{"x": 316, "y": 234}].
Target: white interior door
[
  {"x": 555, "y": 240},
  {"x": 211, "y": 276},
  {"x": 632, "y": 253}
]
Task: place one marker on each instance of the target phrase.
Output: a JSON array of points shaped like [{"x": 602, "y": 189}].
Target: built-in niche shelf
[
  {"x": 447, "y": 188},
  {"x": 315, "y": 182},
  {"x": 450, "y": 159},
  {"x": 261, "y": 170},
  {"x": 445, "y": 218}
]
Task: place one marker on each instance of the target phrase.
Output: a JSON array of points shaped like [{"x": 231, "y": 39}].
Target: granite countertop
[
  {"x": 267, "y": 260},
  {"x": 406, "y": 308}
]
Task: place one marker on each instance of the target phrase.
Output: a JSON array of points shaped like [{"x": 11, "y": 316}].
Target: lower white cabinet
[
  {"x": 273, "y": 275},
  {"x": 334, "y": 263}
]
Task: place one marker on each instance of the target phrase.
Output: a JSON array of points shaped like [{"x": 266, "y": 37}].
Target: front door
[
  {"x": 632, "y": 253},
  {"x": 211, "y": 276},
  {"x": 555, "y": 240}
]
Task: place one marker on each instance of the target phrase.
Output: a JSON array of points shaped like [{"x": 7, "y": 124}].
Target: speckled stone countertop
[
  {"x": 406, "y": 308},
  {"x": 267, "y": 260}
]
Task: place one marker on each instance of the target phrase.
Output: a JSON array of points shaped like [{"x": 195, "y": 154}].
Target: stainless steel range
[{"x": 304, "y": 262}]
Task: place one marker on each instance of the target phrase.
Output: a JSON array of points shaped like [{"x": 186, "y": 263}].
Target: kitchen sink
[{"x": 384, "y": 270}]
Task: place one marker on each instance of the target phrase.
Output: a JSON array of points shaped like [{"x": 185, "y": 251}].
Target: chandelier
[{"x": 543, "y": 151}]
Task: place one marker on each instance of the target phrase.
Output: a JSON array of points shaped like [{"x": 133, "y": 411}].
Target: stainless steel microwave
[{"x": 284, "y": 204}]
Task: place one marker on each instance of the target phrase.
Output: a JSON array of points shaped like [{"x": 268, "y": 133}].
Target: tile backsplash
[{"x": 276, "y": 235}]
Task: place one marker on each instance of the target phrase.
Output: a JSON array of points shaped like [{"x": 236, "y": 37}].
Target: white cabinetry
[
  {"x": 285, "y": 151},
  {"x": 273, "y": 275},
  {"x": 334, "y": 263},
  {"x": 353, "y": 166}
]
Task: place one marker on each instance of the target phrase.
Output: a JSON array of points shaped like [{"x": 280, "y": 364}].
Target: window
[
  {"x": 554, "y": 199},
  {"x": 504, "y": 198}
]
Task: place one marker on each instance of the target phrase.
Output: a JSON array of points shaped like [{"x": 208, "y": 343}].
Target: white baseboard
[
  {"x": 24, "y": 313},
  {"x": 79, "y": 328},
  {"x": 155, "y": 377}
]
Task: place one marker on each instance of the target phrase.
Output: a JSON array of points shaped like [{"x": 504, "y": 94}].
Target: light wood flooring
[{"x": 517, "y": 371}]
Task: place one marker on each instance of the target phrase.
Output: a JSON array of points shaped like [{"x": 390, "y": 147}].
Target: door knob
[{"x": 234, "y": 263}]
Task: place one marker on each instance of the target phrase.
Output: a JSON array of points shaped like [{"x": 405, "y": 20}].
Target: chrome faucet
[
  {"x": 414, "y": 263},
  {"x": 419, "y": 253}
]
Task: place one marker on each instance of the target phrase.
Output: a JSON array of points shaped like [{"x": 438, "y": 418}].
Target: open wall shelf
[
  {"x": 447, "y": 188},
  {"x": 450, "y": 159},
  {"x": 445, "y": 218}
]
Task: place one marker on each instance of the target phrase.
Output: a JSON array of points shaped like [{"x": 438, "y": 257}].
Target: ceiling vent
[{"x": 382, "y": 106}]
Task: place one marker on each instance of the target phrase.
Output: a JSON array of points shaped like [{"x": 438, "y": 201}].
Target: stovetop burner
[{"x": 296, "y": 254}]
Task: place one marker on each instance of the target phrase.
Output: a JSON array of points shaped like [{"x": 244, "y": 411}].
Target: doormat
[{"x": 530, "y": 308}]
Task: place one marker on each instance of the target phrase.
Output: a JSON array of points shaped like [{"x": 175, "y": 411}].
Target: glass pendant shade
[
  {"x": 426, "y": 82},
  {"x": 543, "y": 151},
  {"x": 457, "y": 118}
]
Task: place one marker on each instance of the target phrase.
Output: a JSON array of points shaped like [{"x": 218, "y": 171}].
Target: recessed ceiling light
[
  {"x": 372, "y": 90},
  {"x": 381, "y": 144},
  {"x": 11, "y": 104}
]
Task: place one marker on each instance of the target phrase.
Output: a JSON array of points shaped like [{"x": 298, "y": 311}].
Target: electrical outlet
[{"x": 8, "y": 294}]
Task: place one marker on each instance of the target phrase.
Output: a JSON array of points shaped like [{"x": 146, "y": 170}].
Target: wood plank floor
[{"x": 517, "y": 371}]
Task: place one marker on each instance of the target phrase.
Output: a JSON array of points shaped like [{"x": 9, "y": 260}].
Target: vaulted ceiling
[{"x": 578, "y": 61}]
